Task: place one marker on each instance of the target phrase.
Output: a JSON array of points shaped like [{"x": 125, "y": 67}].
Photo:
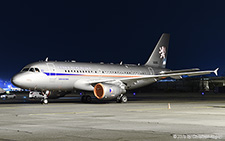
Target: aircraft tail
[{"x": 159, "y": 55}]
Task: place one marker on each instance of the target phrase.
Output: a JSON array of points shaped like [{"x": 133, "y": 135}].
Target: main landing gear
[
  {"x": 121, "y": 99},
  {"x": 86, "y": 99}
]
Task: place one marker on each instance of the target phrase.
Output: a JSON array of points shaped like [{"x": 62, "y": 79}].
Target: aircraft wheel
[
  {"x": 88, "y": 99},
  {"x": 123, "y": 99},
  {"x": 83, "y": 98},
  {"x": 45, "y": 101}
]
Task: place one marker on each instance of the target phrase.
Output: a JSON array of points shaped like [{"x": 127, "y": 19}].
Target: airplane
[{"x": 106, "y": 81}]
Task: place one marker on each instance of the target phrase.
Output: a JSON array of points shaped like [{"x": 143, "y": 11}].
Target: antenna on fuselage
[
  {"x": 46, "y": 60},
  {"x": 121, "y": 63}
]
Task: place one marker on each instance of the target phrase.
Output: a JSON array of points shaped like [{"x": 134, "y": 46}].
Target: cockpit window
[
  {"x": 31, "y": 69},
  {"x": 37, "y": 70},
  {"x": 24, "y": 69}
]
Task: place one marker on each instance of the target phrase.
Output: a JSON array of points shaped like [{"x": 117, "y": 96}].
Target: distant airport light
[
  {"x": 203, "y": 93},
  {"x": 134, "y": 94}
]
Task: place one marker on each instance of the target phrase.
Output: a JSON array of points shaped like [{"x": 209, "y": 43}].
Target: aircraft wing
[
  {"x": 175, "y": 75},
  {"x": 179, "y": 71}
]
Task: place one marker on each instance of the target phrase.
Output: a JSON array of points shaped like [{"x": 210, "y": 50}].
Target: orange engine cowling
[{"x": 107, "y": 91}]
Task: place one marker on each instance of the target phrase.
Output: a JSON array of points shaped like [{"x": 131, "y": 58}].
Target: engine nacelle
[{"x": 107, "y": 91}]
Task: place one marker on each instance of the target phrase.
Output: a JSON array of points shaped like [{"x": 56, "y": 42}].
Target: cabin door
[{"x": 52, "y": 74}]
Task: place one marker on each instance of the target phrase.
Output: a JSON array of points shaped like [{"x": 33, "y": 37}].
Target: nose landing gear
[{"x": 45, "y": 98}]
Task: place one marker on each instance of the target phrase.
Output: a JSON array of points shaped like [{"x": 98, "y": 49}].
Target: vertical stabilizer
[{"x": 158, "y": 57}]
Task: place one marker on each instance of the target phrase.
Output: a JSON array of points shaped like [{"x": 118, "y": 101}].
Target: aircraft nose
[{"x": 17, "y": 80}]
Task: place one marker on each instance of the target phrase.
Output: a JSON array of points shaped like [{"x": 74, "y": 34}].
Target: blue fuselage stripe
[{"x": 59, "y": 74}]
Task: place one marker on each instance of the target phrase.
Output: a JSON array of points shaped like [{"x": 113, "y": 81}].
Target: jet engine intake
[{"x": 107, "y": 91}]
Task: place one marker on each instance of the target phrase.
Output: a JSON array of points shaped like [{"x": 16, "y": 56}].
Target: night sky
[{"x": 111, "y": 31}]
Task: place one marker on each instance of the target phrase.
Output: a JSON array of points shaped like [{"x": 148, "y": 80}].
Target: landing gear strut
[
  {"x": 45, "y": 98},
  {"x": 121, "y": 99},
  {"x": 86, "y": 99}
]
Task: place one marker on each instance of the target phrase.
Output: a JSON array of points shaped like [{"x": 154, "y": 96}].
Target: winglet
[{"x": 216, "y": 71}]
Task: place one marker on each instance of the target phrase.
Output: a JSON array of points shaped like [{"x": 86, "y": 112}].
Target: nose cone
[{"x": 17, "y": 80}]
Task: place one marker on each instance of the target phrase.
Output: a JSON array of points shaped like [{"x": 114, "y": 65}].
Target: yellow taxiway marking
[{"x": 62, "y": 113}]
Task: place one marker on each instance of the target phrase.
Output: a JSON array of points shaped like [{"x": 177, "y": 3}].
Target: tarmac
[{"x": 179, "y": 116}]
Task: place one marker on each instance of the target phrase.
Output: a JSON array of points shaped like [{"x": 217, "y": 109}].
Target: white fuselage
[{"x": 67, "y": 76}]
